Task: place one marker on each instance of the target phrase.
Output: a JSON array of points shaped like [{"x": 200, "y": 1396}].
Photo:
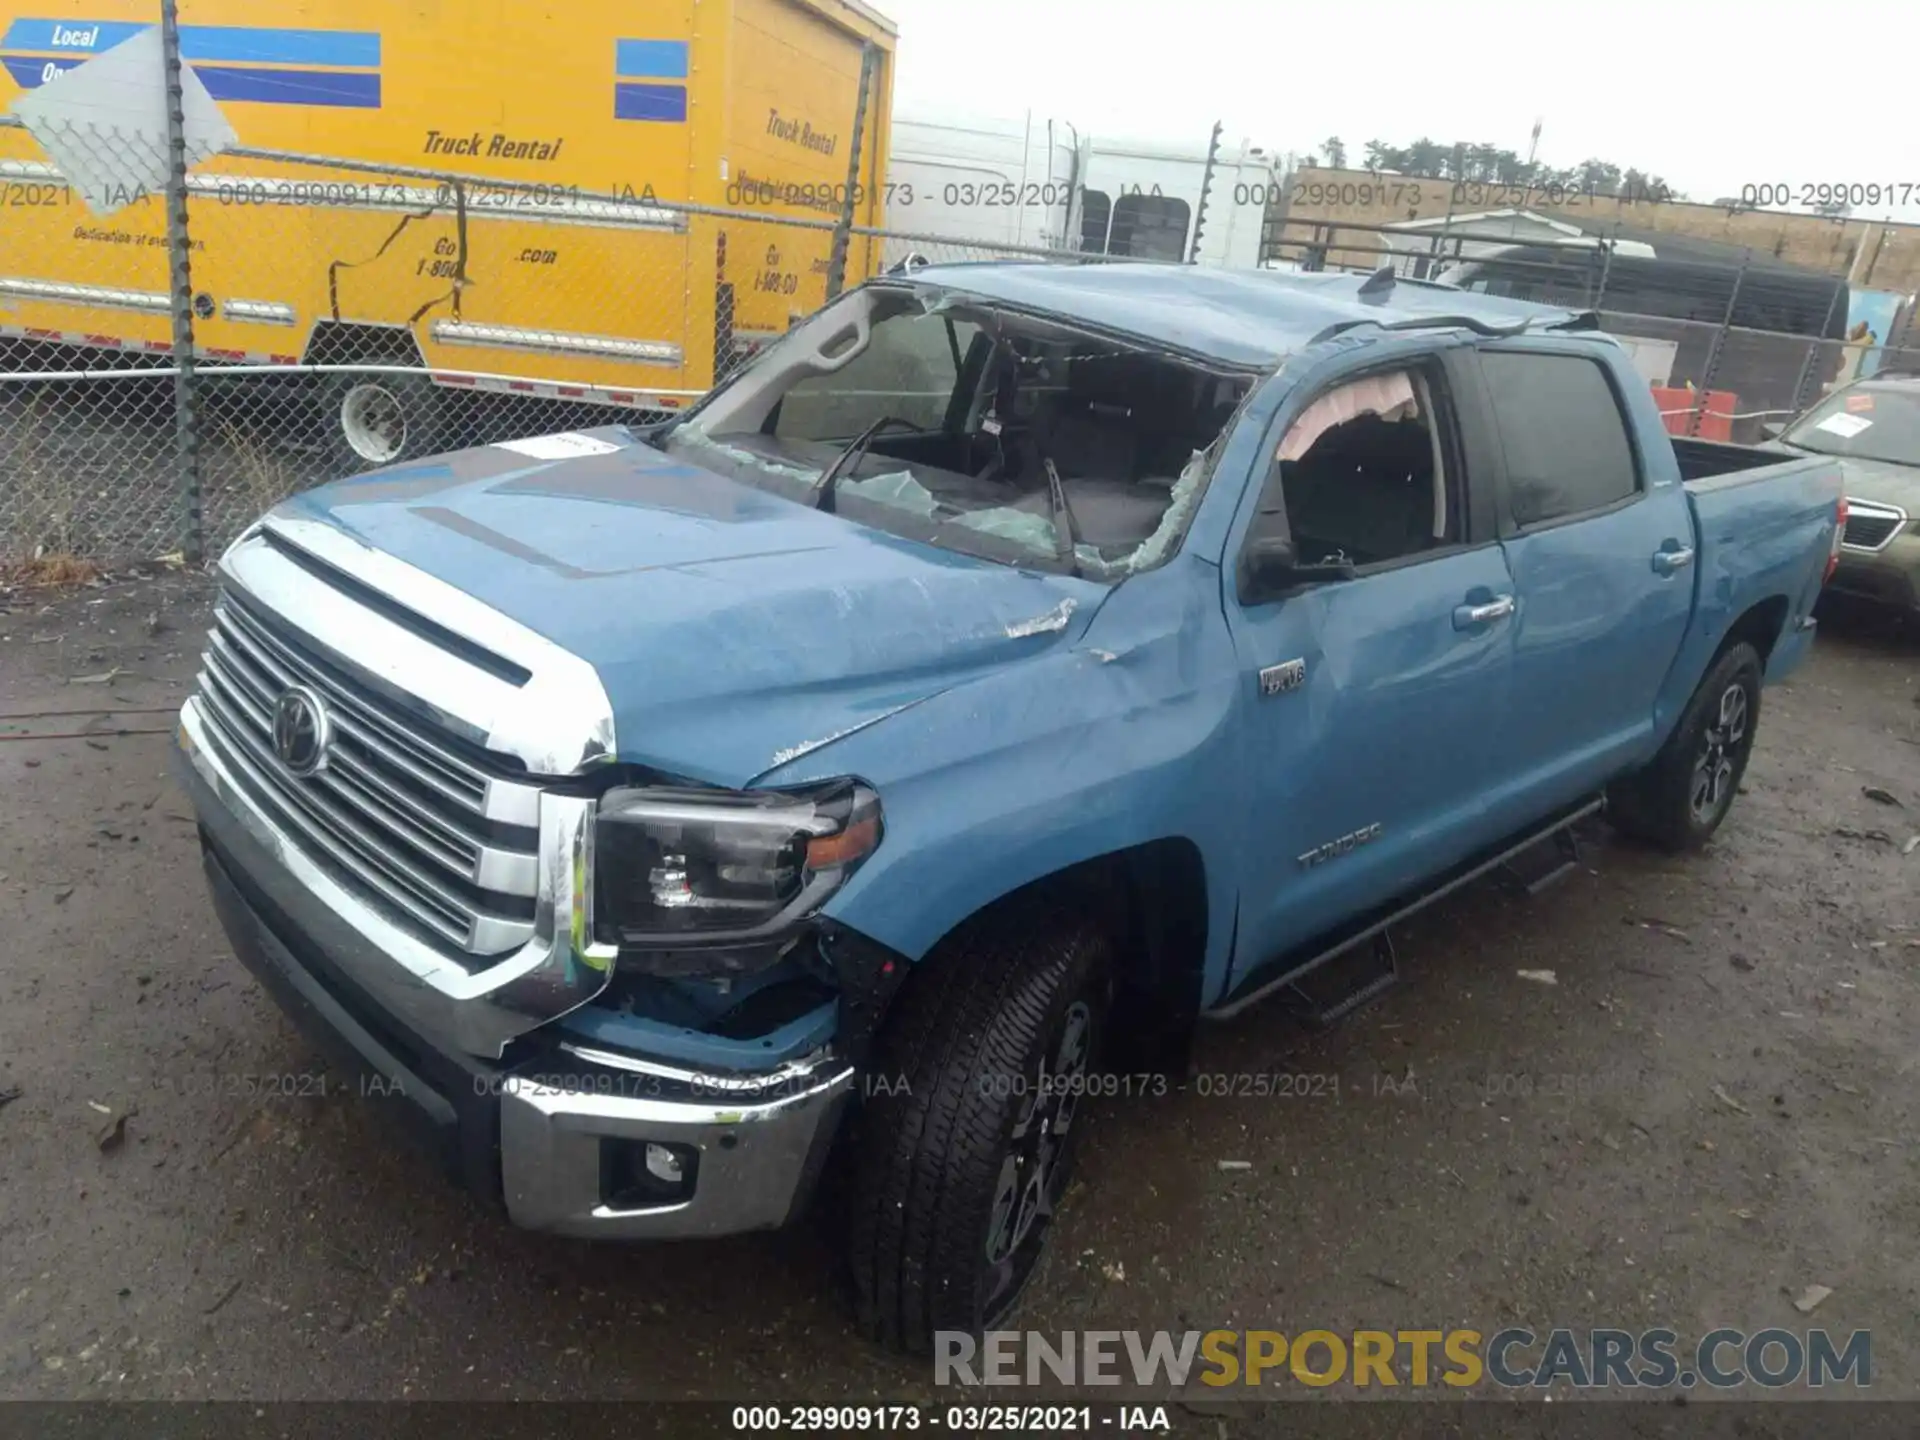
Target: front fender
[{"x": 1090, "y": 746}]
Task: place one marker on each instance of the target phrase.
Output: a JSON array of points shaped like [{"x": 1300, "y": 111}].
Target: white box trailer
[
  {"x": 990, "y": 180},
  {"x": 1143, "y": 199},
  {"x": 1041, "y": 181}
]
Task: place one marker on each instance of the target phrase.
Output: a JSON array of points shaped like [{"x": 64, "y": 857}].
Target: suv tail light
[{"x": 1839, "y": 534}]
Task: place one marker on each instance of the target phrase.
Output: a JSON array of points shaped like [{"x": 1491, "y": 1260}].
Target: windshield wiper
[
  {"x": 1066, "y": 530},
  {"x": 850, "y": 457}
]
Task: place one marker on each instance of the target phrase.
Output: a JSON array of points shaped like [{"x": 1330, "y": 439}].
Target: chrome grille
[
  {"x": 1871, "y": 526},
  {"x": 414, "y": 825}
]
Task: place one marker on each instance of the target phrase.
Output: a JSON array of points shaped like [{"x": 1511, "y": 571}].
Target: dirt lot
[{"x": 1711, "y": 1109}]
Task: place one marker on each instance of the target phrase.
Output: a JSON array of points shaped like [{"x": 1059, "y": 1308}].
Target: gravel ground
[{"x": 1711, "y": 1109}]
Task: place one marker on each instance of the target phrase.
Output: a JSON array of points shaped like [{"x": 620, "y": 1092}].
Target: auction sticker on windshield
[{"x": 1845, "y": 426}]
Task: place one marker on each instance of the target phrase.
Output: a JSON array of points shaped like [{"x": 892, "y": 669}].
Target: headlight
[{"x": 684, "y": 868}]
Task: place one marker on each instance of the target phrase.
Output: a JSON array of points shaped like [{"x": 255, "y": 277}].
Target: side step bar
[
  {"x": 1325, "y": 1004},
  {"x": 1544, "y": 863},
  {"x": 1326, "y": 996}
]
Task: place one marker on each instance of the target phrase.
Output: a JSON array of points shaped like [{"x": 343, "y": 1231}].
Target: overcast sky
[{"x": 1709, "y": 95}]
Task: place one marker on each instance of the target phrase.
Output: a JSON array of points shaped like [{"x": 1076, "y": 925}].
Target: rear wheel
[
  {"x": 1679, "y": 800},
  {"x": 967, "y": 1141},
  {"x": 383, "y": 419}
]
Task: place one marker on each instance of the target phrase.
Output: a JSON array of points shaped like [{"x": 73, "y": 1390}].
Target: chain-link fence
[{"x": 1731, "y": 342}]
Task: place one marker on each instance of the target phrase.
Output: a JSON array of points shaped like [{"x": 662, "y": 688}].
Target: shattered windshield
[{"x": 1005, "y": 435}]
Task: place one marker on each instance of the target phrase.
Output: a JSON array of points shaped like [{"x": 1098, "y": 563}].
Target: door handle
[
  {"x": 1465, "y": 617},
  {"x": 1667, "y": 562}
]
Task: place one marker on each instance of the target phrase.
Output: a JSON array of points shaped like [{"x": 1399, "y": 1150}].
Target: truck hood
[{"x": 733, "y": 630}]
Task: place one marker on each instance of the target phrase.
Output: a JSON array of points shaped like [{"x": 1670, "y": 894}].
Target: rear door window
[{"x": 1565, "y": 440}]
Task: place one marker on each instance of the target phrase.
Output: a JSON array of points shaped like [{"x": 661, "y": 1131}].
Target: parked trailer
[
  {"x": 986, "y": 179},
  {"x": 1042, "y": 181},
  {"x": 1144, "y": 200},
  {"x": 565, "y": 264}
]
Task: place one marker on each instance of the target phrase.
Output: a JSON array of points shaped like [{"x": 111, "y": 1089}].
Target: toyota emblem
[{"x": 301, "y": 731}]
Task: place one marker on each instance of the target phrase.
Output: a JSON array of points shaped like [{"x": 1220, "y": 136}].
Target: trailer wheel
[
  {"x": 967, "y": 1137},
  {"x": 1679, "y": 800},
  {"x": 379, "y": 420}
]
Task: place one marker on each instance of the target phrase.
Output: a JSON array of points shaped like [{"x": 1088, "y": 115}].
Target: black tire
[
  {"x": 1680, "y": 799},
  {"x": 378, "y": 419},
  {"x": 932, "y": 1158}
]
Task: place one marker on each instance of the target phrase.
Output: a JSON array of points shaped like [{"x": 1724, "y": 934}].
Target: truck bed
[
  {"x": 1763, "y": 530},
  {"x": 1706, "y": 459}
]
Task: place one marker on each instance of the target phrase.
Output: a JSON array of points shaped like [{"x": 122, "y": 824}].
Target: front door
[{"x": 1373, "y": 701}]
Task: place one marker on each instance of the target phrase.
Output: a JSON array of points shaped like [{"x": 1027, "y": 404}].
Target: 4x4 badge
[{"x": 1287, "y": 675}]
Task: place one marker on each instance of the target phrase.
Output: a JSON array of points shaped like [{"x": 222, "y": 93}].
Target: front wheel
[
  {"x": 1679, "y": 800},
  {"x": 968, "y": 1135}
]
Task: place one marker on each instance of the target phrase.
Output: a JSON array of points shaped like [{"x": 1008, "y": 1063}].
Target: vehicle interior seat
[{"x": 1364, "y": 492}]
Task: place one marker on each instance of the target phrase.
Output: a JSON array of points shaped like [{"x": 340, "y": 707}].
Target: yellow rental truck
[{"x": 501, "y": 203}]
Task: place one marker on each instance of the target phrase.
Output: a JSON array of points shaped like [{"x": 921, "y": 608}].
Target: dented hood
[{"x": 733, "y": 630}]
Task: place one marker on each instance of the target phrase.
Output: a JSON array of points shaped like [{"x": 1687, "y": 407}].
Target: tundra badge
[
  {"x": 1345, "y": 845},
  {"x": 1287, "y": 675}
]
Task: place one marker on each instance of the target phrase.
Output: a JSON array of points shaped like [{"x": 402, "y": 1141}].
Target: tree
[
  {"x": 1598, "y": 177},
  {"x": 1494, "y": 165},
  {"x": 1382, "y": 156},
  {"x": 1335, "y": 149},
  {"x": 1424, "y": 157}
]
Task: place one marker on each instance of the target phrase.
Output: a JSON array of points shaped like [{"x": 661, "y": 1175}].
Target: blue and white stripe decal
[
  {"x": 642, "y": 70},
  {"x": 353, "y": 89},
  {"x": 234, "y": 62}
]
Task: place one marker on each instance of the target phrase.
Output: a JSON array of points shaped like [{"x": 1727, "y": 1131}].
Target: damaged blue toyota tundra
[{"x": 1011, "y": 667}]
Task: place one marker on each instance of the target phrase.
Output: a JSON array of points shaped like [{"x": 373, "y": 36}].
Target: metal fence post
[
  {"x": 186, "y": 395},
  {"x": 1719, "y": 346},
  {"x": 1206, "y": 193},
  {"x": 1814, "y": 352},
  {"x": 1607, "y": 247},
  {"x": 843, "y": 227}
]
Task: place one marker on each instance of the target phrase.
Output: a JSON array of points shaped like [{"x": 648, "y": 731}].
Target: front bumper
[
  {"x": 1888, "y": 576},
  {"x": 557, "y": 1131}
]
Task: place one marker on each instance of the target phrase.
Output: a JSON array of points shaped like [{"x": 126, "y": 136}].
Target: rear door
[{"x": 1599, "y": 540}]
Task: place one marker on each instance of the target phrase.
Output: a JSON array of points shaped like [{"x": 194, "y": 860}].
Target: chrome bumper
[
  {"x": 760, "y": 1140},
  {"x": 757, "y": 1160}
]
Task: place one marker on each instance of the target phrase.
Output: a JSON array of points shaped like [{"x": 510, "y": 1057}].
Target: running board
[{"x": 1366, "y": 929}]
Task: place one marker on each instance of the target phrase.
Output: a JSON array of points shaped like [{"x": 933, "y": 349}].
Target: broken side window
[{"x": 1364, "y": 476}]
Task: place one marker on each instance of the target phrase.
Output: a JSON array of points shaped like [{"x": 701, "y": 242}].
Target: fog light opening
[{"x": 646, "y": 1174}]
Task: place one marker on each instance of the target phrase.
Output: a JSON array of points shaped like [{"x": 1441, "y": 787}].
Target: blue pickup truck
[{"x": 1012, "y": 666}]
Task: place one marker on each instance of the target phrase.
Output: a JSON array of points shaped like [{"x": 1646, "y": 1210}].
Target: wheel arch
[
  {"x": 1151, "y": 901},
  {"x": 1759, "y": 625},
  {"x": 359, "y": 342}
]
